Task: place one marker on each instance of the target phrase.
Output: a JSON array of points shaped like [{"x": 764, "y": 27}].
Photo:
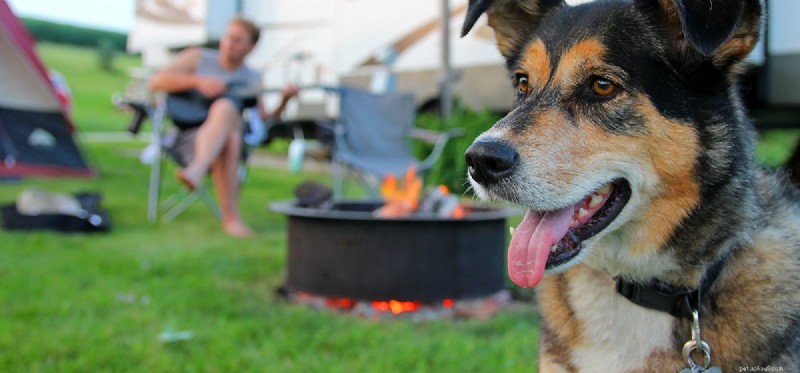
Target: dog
[{"x": 653, "y": 240}]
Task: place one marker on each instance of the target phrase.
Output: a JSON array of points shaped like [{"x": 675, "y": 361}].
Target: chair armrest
[
  {"x": 140, "y": 111},
  {"x": 432, "y": 137},
  {"x": 438, "y": 139}
]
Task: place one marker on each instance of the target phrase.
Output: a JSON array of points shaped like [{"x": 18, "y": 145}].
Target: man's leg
[
  {"x": 225, "y": 174},
  {"x": 218, "y": 146},
  {"x": 223, "y": 120}
]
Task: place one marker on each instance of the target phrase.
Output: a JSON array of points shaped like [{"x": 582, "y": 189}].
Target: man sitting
[{"x": 216, "y": 143}]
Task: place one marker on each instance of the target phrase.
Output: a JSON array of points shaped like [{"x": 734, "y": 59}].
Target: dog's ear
[
  {"x": 724, "y": 30},
  {"x": 512, "y": 20}
]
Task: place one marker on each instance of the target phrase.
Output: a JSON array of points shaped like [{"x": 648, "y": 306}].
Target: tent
[{"x": 35, "y": 130}]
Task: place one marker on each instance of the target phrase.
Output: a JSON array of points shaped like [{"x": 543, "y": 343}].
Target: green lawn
[
  {"x": 91, "y": 87},
  {"x": 98, "y": 303}
]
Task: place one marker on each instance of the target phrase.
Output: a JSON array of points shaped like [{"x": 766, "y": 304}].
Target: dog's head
[{"x": 627, "y": 140}]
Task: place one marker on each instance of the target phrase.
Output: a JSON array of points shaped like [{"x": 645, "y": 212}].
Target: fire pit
[{"x": 345, "y": 254}]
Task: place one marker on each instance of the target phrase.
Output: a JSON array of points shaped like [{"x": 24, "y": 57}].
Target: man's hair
[{"x": 249, "y": 26}]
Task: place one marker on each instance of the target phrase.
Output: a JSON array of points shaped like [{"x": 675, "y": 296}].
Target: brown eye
[
  {"x": 522, "y": 84},
  {"x": 603, "y": 87}
]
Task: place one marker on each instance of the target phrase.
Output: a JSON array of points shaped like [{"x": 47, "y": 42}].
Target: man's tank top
[
  {"x": 244, "y": 78},
  {"x": 243, "y": 85}
]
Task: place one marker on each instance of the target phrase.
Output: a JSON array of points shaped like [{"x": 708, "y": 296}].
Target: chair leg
[
  {"x": 199, "y": 194},
  {"x": 180, "y": 207},
  {"x": 342, "y": 174},
  {"x": 338, "y": 179},
  {"x": 154, "y": 187},
  {"x": 157, "y": 115},
  {"x": 174, "y": 199},
  {"x": 211, "y": 203},
  {"x": 370, "y": 183}
]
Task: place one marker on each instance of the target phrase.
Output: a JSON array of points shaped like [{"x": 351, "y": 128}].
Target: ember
[
  {"x": 480, "y": 308},
  {"x": 395, "y": 306},
  {"x": 403, "y": 199}
]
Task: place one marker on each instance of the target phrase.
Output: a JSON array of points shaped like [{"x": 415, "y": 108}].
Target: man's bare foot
[
  {"x": 186, "y": 180},
  {"x": 237, "y": 229}
]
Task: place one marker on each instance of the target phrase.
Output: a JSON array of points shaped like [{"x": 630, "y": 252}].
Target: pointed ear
[
  {"x": 512, "y": 20},
  {"x": 724, "y": 30}
]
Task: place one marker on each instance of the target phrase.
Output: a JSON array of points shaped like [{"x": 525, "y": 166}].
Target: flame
[
  {"x": 403, "y": 197},
  {"x": 401, "y": 200}
]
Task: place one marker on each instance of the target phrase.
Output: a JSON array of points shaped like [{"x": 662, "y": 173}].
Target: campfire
[
  {"x": 417, "y": 253},
  {"x": 404, "y": 199}
]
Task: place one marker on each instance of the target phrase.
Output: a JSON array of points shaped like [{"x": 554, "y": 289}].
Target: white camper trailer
[
  {"x": 376, "y": 45},
  {"x": 397, "y": 45},
  {"x": 367, "y": 43}
]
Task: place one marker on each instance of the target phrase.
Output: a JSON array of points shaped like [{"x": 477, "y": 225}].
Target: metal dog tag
[{"x": 698, "y": 344}]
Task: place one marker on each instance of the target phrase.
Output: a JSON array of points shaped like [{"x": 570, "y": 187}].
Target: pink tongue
[{"x": 530, "y": 245}]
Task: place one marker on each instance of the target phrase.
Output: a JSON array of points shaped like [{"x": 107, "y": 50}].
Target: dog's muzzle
[{"x": 490, "y": 161}]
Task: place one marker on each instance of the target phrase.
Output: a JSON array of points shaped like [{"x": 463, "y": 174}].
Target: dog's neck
[{"x": 678, "y": 301}]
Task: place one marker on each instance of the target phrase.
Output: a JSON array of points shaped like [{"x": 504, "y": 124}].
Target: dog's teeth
[
  {"x": 553, "y": 248},
  {"x": 595, "y": 201},
  {"x": 582, "y": 213},
  {"x": 605, "y": 190},
  {"x": 511, "y": 230}
]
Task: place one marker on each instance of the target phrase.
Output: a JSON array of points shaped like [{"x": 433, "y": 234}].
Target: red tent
[{"x": 35, "y": 129}]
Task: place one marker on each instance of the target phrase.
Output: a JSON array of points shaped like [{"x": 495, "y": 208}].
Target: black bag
[{"x": 92, "y": 218}]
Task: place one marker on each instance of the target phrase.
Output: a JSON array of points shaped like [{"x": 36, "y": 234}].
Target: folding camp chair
[
  {"x": 372, "y": 138},
  {"x": 161, "y": 148}
]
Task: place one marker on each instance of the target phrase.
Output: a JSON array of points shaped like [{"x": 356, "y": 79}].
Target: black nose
[{"x": 490, "y": 161}]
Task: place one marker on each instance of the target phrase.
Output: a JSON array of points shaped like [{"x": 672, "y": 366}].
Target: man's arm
[
  {"x": 180, "y": 76},
  {"x": 287, "y": 93}
]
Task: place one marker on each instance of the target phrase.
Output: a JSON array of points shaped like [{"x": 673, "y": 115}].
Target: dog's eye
[
  {"x": 522, "y": 84},
  {"x": 603, "y": 87}
]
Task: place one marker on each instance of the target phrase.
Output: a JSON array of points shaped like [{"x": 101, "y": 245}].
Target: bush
[
  {"x": 451, "y": 169},
  {"x": 54, "y": 32},
  {"x": 105, "y": 54}
]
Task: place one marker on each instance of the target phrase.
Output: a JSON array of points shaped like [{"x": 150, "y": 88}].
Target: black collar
[{"x": 678, "y": 301}]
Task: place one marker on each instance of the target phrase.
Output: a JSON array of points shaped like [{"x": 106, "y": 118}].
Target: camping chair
[
  {"x": 372, "y": 138},
  {"x": 163, "y": 139}
]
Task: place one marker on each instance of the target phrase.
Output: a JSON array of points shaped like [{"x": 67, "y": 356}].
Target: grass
[
  {"x": 91, "y": 86},
  {"x": 79, "y": 303},
  {"x": 776, "y": 146}
]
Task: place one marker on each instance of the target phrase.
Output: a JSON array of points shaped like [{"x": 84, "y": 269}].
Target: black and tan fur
[{"x": 676, "y": 130}]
